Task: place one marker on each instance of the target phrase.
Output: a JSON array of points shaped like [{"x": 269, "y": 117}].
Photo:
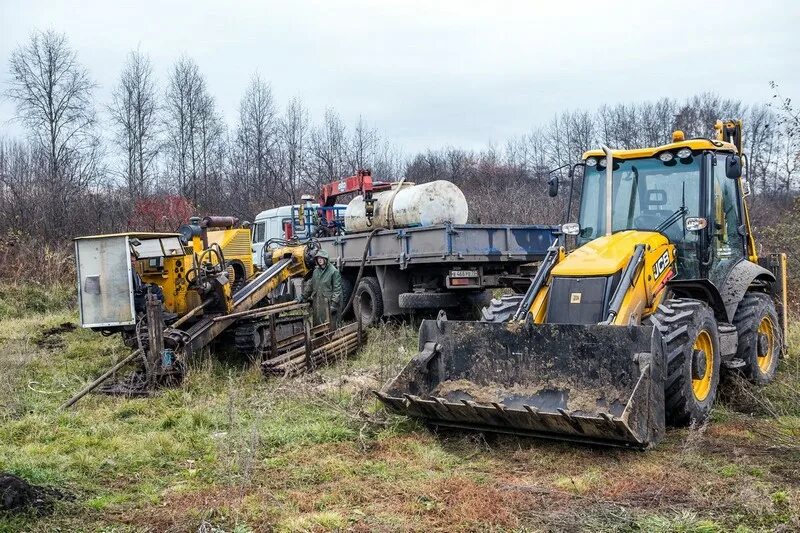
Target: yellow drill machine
[{"x": 172, "y": 294}]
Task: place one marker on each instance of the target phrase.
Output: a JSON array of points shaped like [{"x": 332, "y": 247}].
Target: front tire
[
  {"x": 760, "y": 344},
  {"x": 502, "y": 309},
  {"x": 691, "y": 343}
]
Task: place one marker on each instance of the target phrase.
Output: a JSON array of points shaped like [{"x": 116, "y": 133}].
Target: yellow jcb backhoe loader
[{"x": 631, "y": 330}]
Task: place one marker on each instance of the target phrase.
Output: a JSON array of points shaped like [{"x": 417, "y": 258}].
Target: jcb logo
[
  {"x": 660, "y": 265},
  {"x": 575, "y": 298}
]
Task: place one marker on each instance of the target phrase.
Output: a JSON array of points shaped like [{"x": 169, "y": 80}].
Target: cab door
[
  {"x": 259, "y": 232},
  {"x": 727, "y": 244}
]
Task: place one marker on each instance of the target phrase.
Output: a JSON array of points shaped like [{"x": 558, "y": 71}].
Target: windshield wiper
[{"x": 673, "y": 218}]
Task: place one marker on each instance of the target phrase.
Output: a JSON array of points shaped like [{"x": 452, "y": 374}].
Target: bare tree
[
  {"x": 53, "y": 97},
  {"x": 133, "y": 111},
  {"x": 180, "y": 117},
  {"x": 362, "y": 146},
  {"x": 294, "y": 142},
  {"x": 388, "y": 162},
  {"x": 194, "y": 131},
  {"x": 257, "y": 143},
  {"x": 327, "y": 151}
]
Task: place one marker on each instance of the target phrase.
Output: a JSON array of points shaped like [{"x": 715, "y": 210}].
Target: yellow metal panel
[
  {"x": 606, "y": 255},
  {"x": 785, "y": 301},
  {"x": 172, "y": 280},
  {"x": 636, "y": 153}
]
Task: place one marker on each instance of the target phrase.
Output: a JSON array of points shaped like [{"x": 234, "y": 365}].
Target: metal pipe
[
  {"x": 262, "y": 311},
  {"x": 609, "y": 185},
  {"x": 190, "y": 314},
  {"x": 94, "y": 384},
  {"x": 316, "y": 352},
  {"x": 219, "y": 222}
]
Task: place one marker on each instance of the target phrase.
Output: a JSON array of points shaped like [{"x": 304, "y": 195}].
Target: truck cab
[
  {"x": 284, "y": 222},
  {"x": 274, "y": 226}
]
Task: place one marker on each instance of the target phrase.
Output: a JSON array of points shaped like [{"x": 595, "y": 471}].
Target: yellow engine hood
[{"x": 608, "y": 254}]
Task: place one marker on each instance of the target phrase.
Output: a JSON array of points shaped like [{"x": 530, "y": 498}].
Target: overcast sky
[{"x": 434, "y": 73}]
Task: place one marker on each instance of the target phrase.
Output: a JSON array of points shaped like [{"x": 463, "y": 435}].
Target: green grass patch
[
  {"x": 230, "y": 450},
  {"x": 19, "y": 300}
]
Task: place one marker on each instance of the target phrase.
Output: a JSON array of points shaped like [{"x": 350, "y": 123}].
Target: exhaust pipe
[{"x": 609, "y": 184}]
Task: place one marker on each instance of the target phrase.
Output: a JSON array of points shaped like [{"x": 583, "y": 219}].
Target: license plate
[{"x": 463, "y": 273}]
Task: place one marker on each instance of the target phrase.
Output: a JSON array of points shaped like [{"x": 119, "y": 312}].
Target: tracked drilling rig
[
  {"x": 632, "y": 329},
  {"x": 172, "y": 294}
]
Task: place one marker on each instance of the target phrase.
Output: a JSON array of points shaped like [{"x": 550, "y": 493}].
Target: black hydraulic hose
[
  {"x": 360, "y": 271},
  {"x": 625, "y": 283},
  {"x": 538, "y": 281}
]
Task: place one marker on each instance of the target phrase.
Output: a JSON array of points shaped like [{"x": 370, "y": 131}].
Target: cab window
[{"x": 258, "y": 232}]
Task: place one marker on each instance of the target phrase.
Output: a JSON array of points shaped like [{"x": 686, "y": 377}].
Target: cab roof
[
  {"x": 636, "y": 153},
  {"x": 132, "y": 234}
]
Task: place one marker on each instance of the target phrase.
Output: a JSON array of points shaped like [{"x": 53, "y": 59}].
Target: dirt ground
[{"x": 19, "y": 496}]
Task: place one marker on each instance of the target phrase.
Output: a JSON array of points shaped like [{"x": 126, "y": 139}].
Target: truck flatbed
[{"x": 444, "y": 244}]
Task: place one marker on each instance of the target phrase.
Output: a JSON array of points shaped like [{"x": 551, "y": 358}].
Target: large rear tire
[
  {"x": 759, "y": 331},
  {"x": 368, "y": 301},
  {"x": 691, "y": 343}
]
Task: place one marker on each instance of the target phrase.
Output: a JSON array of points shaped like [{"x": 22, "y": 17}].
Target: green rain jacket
[{"x": 324, "y": 291}]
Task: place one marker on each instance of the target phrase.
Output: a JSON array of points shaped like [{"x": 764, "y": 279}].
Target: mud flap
[{"x": 597, "y": 384}]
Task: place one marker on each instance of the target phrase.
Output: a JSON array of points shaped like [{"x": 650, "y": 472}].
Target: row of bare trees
[
  {"x": 507, "y": 183},
  {"x": 162, "y": 139},
  {"x": 169, "y": 139}
]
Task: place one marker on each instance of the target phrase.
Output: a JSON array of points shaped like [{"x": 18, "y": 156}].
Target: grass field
[{"x": 229, "y": 451}]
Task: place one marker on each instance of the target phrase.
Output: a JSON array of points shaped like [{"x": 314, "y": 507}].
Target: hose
[{"x": 360, "y": 271}]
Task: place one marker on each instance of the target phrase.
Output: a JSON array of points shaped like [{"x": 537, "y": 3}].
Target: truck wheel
[
  {"x": 427, "y": 300},
  {"x": 691, "y": 344},
  {"x": 757, "y": 324},
  {"x": 501, "y": 309},
  {"x": 368, "y": 302}
]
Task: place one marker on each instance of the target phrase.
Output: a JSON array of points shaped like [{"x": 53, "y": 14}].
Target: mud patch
[
  {"x": 51, "y": 337},
  {"x": 548, "y": 396},
  {"x": 17, "y": 496}
]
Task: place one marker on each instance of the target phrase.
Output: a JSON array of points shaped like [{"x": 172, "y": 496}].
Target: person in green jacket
[{"x": 324, "y": 290}]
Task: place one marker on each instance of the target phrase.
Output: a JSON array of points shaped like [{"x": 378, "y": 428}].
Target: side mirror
[
  {"x": 733, "y": 166},
  {"x": 552, "y": 186}
]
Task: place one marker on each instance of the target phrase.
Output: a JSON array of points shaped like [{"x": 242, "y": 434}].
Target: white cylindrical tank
[{"x": 407, "y": 205}]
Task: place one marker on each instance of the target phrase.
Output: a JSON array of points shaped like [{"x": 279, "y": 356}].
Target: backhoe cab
[{"x": 630, "y": 330}]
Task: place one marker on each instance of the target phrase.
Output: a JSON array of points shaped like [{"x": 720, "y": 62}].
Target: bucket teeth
[{"x": 572, "y": 422}]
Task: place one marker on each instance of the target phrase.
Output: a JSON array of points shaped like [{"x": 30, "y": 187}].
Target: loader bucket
[{"x": 596, "y": 384}]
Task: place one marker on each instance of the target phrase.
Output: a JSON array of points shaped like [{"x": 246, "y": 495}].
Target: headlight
[
  {"x": 684, "y": 153},
  {"x": 571, "y": 228},
  {"x": 696, "y": 223},
  {"x": 666, "y": 157},
  {"x": 591, "y": 162}
]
